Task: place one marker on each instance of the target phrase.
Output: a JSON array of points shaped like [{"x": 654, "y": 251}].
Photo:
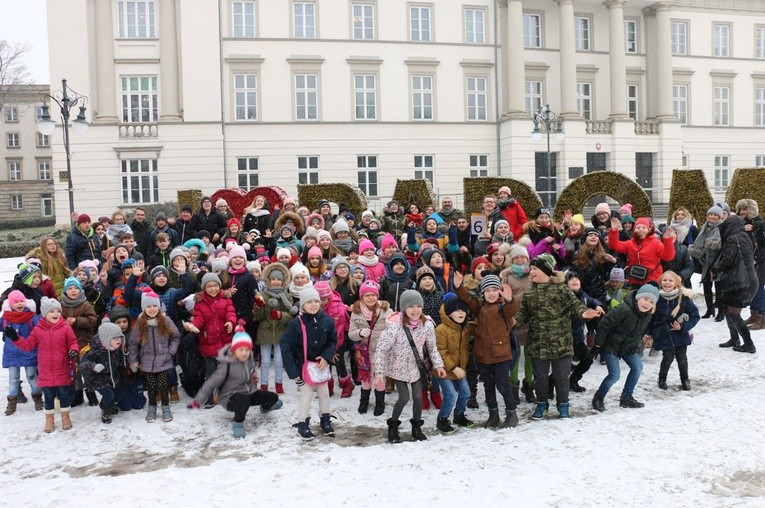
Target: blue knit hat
[
  {"x": 27, "y": 273},
  {"x": 453, "y": 303},
  {"x": 72, "y": 281}
]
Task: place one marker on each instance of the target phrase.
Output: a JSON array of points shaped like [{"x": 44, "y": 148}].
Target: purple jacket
[{"x": 156, "y": 354}]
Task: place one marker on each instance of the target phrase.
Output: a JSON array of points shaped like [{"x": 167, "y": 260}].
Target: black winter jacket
[
  {"x": 322, "y": 341},
  {"x": 735, "y": 242},
  {"x": 622, "y": 329}
]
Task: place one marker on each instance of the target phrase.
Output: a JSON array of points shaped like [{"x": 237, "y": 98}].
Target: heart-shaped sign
[{"x": 238, "y": 199}]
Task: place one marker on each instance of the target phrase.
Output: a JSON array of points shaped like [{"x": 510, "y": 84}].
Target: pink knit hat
[
  {"x": 314, "y": 251},
  {"x": 237, "y": 251},
  {"x": 323, "y": 288},
  {"x": 602, "y": 207},
  {"x": 15, "y": 297},
  {"x": 626, "y": 207},
  {"x": 148, "y": 298},
  {"x": 365, "y": 245},
  {"x": 369, "y": 286},
  {"x": 387, "y": 241},
  {"x": 506, "y": 189}
]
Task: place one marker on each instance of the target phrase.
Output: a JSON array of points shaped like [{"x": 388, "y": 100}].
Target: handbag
[
  {"x": 311, "y": 372},
  {"x": 361, "y": 351},
  {"x": 417, "y": 359},
  {"x": 638, "y": 271},
  {"x": 737, "y": 278}
]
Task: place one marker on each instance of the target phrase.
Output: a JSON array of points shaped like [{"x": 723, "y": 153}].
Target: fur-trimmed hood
[
  {"x": 309, "y": 220},
  {"x": 277, "y": 266},
  {"x": 296, "y": 218},
  {"x": 356, "y": 309},
  {"x": 751, "y": 207}
]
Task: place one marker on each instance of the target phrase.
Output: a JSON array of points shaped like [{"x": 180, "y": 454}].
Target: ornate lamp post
[{"x": 551, "y": 122}]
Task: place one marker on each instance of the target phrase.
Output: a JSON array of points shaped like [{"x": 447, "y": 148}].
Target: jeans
[
  {"x": 496, "y": 378},
  {"x": 65, "y": 395},
  {"x": 108, "y": 397},
  {"x": 14, "y": 380},
  {"x": 612, "y": 364},
  {"x": 758, "y": 303},
  {"x": 265, "y": 362},
  {"x": 455, "y": 391}
]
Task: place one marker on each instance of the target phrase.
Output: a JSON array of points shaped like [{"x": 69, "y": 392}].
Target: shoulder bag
[
  {"x": 417, "y": 358},
  {"x": 311, "y": 373}
]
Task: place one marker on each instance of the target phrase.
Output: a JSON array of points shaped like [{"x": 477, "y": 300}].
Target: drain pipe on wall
[
  {"x": 496, "y": 85},
  {"x": 222, "y": 91}
]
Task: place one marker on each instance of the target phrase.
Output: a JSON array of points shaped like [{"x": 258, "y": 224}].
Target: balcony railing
[
  {"x": 138, "y": 130},
  {"x": 646, "y": 127},
  {"x": 598, "y": 126}
]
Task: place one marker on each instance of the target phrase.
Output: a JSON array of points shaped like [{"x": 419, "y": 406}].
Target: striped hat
[{"x": 490, "y": 281}]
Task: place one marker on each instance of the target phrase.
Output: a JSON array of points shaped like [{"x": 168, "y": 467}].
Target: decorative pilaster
[
  {"x": 106, "y": 88},
  {"x": 168, "y": 63},
  {"x": 567, "y": 54},
  {"x": 616, "y": 59}
]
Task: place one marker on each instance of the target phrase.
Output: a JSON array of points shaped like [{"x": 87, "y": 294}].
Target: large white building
[{"x": 209, "y": 94}]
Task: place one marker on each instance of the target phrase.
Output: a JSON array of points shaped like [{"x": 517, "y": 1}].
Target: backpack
[{"x": 192, "y": 365}]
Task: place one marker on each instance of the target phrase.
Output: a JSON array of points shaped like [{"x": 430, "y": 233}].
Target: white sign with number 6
[{"x": 477, "y": 224}]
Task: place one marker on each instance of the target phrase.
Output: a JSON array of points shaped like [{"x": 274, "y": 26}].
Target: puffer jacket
[
  {"x": 23, "y": 322},
  {"x": 664, "y": 338},
  {"x": 210, "y": 317},
  {"x": 648, "y": 253},
  {"x": 736, "y": 243},
  {"x": 85, "y": 321},
  {"x": 156, "y": 353},
  {"x": 111, "y": 360},
  {"x": 453, "y": 343},
  {"x": 337, "y": 311},
  {"x": 492, "y": 341},
  {"x": 81, "y": 246},
  {"x": 231, "y": 376},
  {"x": 246, "y": 287},
  {"x": 514, "y": 214},
  {"x": 270, "y": 330},
  {"x": 395, "y": 358},
  {"x": 358, "y": 323},
  {"x": 621, "y": 330},
  {"x": 53, "y": 342},
  {"x": 321, "y": 337},
  {"x": 30, "y": 293}
]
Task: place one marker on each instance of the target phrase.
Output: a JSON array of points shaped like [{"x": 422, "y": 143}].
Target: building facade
[
  {"x": 201, "y": 94},
  {"x": 26, "y": 185}
]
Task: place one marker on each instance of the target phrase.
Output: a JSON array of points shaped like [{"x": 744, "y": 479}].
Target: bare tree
[{"x": 13, "y": 69}]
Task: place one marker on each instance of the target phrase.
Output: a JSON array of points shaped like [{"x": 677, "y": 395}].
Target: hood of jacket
[
  {"x": 266, "y": 276},
  {"x": 294, "y": 217},
  {"x": 733, "y": 224}
]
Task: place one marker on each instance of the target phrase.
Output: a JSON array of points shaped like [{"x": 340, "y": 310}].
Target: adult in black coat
[
  {"x": 755, "y": 228},
  {"x": 141, "y": 231},
  {"x": 184, "y": 227},
  {"x": 208, "y": 219}
]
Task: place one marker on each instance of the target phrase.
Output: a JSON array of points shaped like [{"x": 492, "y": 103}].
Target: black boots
[
  {"x": 326, "y": 425},
  {"x": 462, "y": 421},
  {"x": 747, "y": 347},
  {"x": 511, "y": 419},
  {"x": 472, "y": 402},
  {"x": 78, "y": 398},
  {"x": 106, "y": 415},
  {"x": 575, "y": 386},
  {"x": 662, "y": 382},
  {"x": 528, "y": 390},
  {"x": 731, "y": 343},
  {"x": 379, "y": 402},
  {"x": 364, "y": 401},
  {"x": 493, "y": 420},
  {"x": 686, "y": 383},
  {"x": 304, "y": 430},
  {"x": 597, "y": 403},
  {"x": 444, "y": 425},
  {"x": 710, "y": 313},
  {"x": 92, "y": 399},
  {"x": 393, "y": 426},
  {"x": 417, "y": 434},
  {"x": 629, "y": 401}
]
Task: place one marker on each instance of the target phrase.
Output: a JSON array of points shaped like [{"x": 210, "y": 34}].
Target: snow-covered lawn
[{"x": 699, "y": 448}]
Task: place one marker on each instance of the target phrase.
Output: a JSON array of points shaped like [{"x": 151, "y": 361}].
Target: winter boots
[
  {"x": 38, "y": 400},
  {"x": 279, "y": 388},
  {"x": 511, "y": 419},
  {"x": 444, "y": 425},
  {"x": 417, "y": 434},
  {"x": 49, "y": 421},
  {"x": 379, "y": 402},
  {"x": 78, "y": 398},
  {"x": 462, "y": 421},
  {"x": 574, "y": 385},
  {"x": 92, "y": 399},
  {"x": 472, "y": 402},
  {"x": 364, "y": 401},
  {"x": 326, "y": 425},
  {"x": 167, "y": 416},
  {"x": 22, "y": 398},
  {"x": 662, "y": 382},
  {"x": 151, "y": 414},
  {"x": 11, "y": 407},
  {"x": 753, "y": 318},
  {"x": 759, "y": 321},
  {"x": 174, "y": 397},
  {"x": 686, "y": 384},
  {"x": 597, "y": 403},
  {"x": 393, "y": 426},
  {"x": 263, "y": 388},
  {"x": 630, "y": 402},
  {"x": 66, "y": 422},
  {"x": 747, "y": 347},
  {"x": 106, "y": 415},
  {"x": 493, "y": 420},
  {"x": 304, "y": 430},
  {"x": 733, "y": 342},
  {"x": 238, "y": 429},
  {"x": 528, "y": 390},
  {"x": 347, "y": 385},
  {"x": 541, "y": 410},
  {"x": 563, "y": 410}
]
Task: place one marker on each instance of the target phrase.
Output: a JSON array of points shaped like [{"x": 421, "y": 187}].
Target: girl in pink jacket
[{"x": 334, "y": 307}]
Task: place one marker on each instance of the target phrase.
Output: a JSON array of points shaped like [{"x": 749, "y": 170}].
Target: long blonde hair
[
  {"x": 679, "y": 286},
  {"x": 53, "y": 264}
]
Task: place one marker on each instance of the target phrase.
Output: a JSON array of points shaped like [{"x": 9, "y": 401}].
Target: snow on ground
[{"x": 697, "y": 448}]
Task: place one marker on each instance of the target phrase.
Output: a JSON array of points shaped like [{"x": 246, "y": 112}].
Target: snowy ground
[{"x": 697, "y": 448}]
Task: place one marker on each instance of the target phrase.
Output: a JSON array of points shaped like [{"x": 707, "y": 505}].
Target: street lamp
[
  {"x": 66, "y": 100},
  {"x": 549, "y": 120}
]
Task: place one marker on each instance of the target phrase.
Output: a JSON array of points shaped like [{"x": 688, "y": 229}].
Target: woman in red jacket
[{"x": 644, "y": 250}]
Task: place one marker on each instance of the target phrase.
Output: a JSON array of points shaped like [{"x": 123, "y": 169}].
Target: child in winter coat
[
  {"x": 368, "y": 259},
  {"x": 101, "y": 366},
  {"x": 130, "y": 387},
  {"x": 615, "y": 290},
  {"x": 407, "y": 331},
  {"x": 80, "y": 315},
  {"x": 240, "y": 286},
  {"x": 675, "y": 316},
  {"x": 317, "y": 270},
  {"x": 18, "y": 320},
  {"x": 87, "y": 274},
  {"x": 153, "y": 342},
  {"x": 432, "y": 297},
  {"x": 301, "y": 280},
  {"x": 397, "y": 279},
  {"x": 333, "y": 306},
  {"x": 311, "y": 331},
  {"x": 234, "y": 385},
  {"x": 58, "y": 350},
  {"x": 619, "y": 335},
  {"x": 581, "y": 352}
]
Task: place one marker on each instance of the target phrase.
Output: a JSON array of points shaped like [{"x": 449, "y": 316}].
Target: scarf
[
  {"x": 343, "y": 245},
  {"x": 279, "y": 294},
  {"x": 363, "y": 260},
  {"x": 669, "y": 295},
  {"x": 519, "y": 271},
  {"x": 682, "y": 228},
  {"x": 538, "y": 234},
  {"x": 237, "y": 271},
  {"x": 117, "y": 230},
  {"x": 152, "y": 321},
  {"x": 369, "y": 314},
  {"x": 295, "y": 290},
  {"x": 18, "y": 318},
  {"x": 502, "y": 239},
  {"x": 69, "y": 302},
  {"x": 397, "y": 277},
  {"x": 708, "y": 239},
  {"x": 259, "y": 212}
]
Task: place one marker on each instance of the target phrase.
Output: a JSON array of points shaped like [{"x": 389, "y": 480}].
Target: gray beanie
[
  {"x": 218, "y": 265},
  {"x": 208, "y": 278},
  {"x": 47, "y": 305},
  {"x": 276, "y": 274},
  {"x": 490, "y": 281},
  {"x": 717, "y": 210},
  {"x": 159, "y": 269},
  {"x": 648, "y": 291},
  {"x": 340, "y": 260},
  {"x": 176, "y": 252},
  {"x": 108, "y": 331},
  {"x": 307, "y": 295},
  {"x": 410, "y": 298},
  {"x": 341, "y": 225}
]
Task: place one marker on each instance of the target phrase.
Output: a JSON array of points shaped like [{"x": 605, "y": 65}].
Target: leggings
[
  {"x": 669, "y": 355},
  {"x": 736, "y": 324},
  {"x": 340, "y": 367},
  {"x": 306, "y": 396},
  {"x": 265, "y": 363},
  {"x": 156, "y": 382},
  {"x": 402, "y": 387},
  {"x": 240, "y": 403}
]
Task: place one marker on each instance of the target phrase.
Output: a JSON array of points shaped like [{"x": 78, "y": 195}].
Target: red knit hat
[
  {"x": 241, "y": 339},
  {"x": 643, "y": 221},
  {"x": 479, "y": 261},
  {"x": 83, "y": 217}
]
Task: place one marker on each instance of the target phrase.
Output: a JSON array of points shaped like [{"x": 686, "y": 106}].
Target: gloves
[
  {"x": 276, "y": 315},
  {"x": 273, "y": 303},
  {"x": 193, "y": 405},
  {"x": 260, "y": 302},
  {"x": 98, "y": 368},
  {"x": 73, "y": 354},
  {"x": 134, "y": 367},
  {"x": 299, "y": 382},
  {"x": 10, "y": 333},
  {"x": 365, "y": 332},
  {"x": 682, "y": 318}
]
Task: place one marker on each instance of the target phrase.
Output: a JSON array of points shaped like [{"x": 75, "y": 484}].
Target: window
[
  {"x": 43, "y": 141},
  {"x": 722, "y": 105},
  {"x": 679, "y": 37},
  {"x": 14, "y": 171},
  {"x": 475, "y": 26},
  {"x": 633, "y": 98},
  {"x": 582, "y": 33},
  {"x": 247, "y": 172},
  {"x": 139, "y": 181},
  {"x": 722, "y": 170},
  {"x": 246, "y": 96},
  {"x": 532, "y": 30},
  {"x": 759, "y": 42},
  {"x": 680, "y": 102},
  {"x": 759, "y": 161},
  {"x": 759, "y": 107},
  {"x": 304, "y": 20},
  {"x": 38, "y": 113},
  {"x": 308, "y": 169},
  {"x": 136, "y": 19},
  {"x": 476, "y": 98},
  {"x": 584, "y": 100},
  {"x": 46, "y": 205},
  {"x": 685, "y": 161},
  {"x": 365, "y": 96},
  {"x": 139, "y": 99},
  {"x": 17, "y": 202},
  {"x": 721, "y": 40},
  {"x": 244, "y": 19},
  {"x": 423, "y": 167},
  {"x": 422, "y": 97},
  {"x": 13, "y": 140},
  {"x": 11, "y": 114},
  {"x": 43, "y": 170},
  {"x": 306, "y": 97},
  {"x": 419, "y": 21},
  {"x": 533, "y": 97},
  {"x": 630, "y": 36},
  {"x": 363, "y": 21},
  {"x": 366, "y": 170},
  {"x": 479, "y": 166}
]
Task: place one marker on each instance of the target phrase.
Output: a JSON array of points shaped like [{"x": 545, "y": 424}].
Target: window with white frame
[
  {"x": 136, "y": 19},
  {"x": 43, "y": 140},
  {"x": 11, "y": 114},
  {"x": 476, "y": 98},
  {"x": 423, "y": 167},
  {"x": 308, "y": 169},
  {"x": 759, "y": 42},
  {"x": 584, "y": 100},
  {"x": 246, "y": 96},
  {"x": 722, "y": 105},
  {"x": 759, "y": 107},
  {"x": 759, "y": 161},
  {"x": 366, "y": 172},
  {"x": 139, "y": 181},
  {"x": 12, "y": 140},
  {"x": 306, "y": 97},
  {"x": 721, "y": 40},
  {"x": 243, "y": 18},
  {"x": 722, "y": 170},
  {"x": 633, "y": 99},
  {"x": 363, "y": 21},
  {"x": 475, "y": 26},
  {"x": 420, "y": 22},
  {"x": 247, "y": 173},
  {"x": 14, "y": 171},
  {"x": 679, "y": 37},
  {"x": 479, "y": 165},
  {"x": 422, "y": 97},
  {"x": 17, "y": 202},
  {"x": 139, "y": 99},
  {"x": 534, "y": 97},
  {"x": 365, "y": 96},
  {"x": 43, "y": 170},
  {"x": 582, "y": 33},
  {"x": 46, "y": 205},
  {"x": 532, "y": 30},
  {"x": 630, "y": 36},
  {"x": 680, "y": 102},
  {"x": 304, "y": 20}
]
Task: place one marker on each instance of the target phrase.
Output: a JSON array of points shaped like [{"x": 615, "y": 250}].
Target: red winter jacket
[
  {"x": 211, "y": 316},
  {"x": 650, "y": 253},
  {"x": 515, "y": 216},
  {"x": 53, "y": 343}
]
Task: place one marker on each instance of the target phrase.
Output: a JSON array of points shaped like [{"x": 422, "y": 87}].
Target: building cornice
[
  {"x": 474, "y": 63},
  {"x": 247, "y": 59},
  {"x": 364, "y": 60}
]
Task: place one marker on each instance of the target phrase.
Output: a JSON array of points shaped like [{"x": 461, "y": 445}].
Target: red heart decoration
[{"x": 238, "y": 200}]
